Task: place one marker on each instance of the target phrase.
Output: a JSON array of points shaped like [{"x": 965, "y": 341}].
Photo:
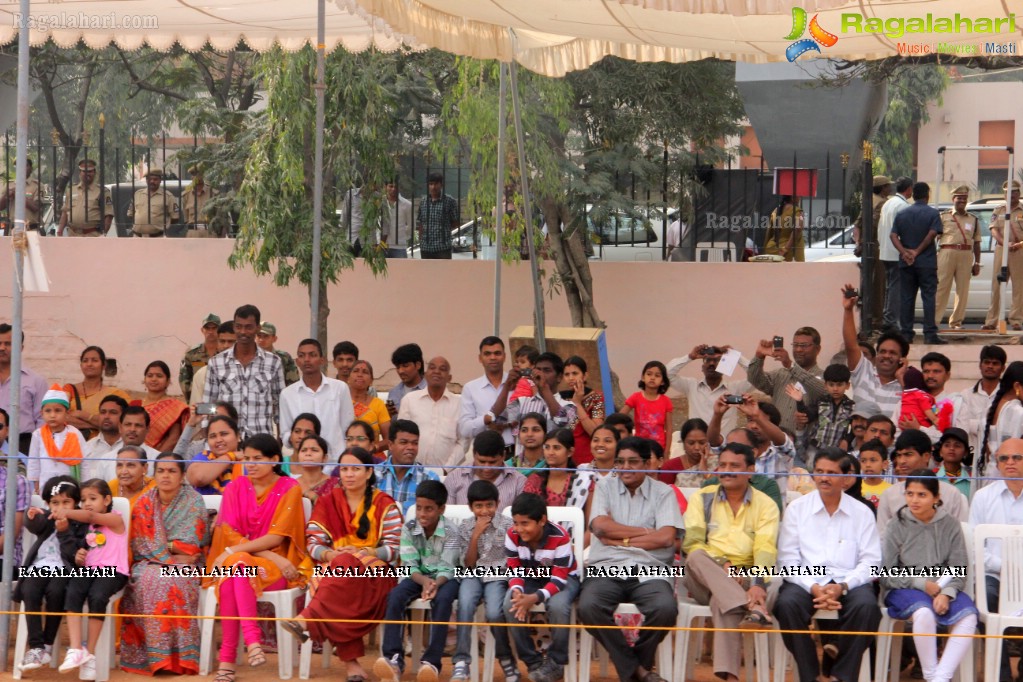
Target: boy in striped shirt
[{"x": 542, "y": 570}]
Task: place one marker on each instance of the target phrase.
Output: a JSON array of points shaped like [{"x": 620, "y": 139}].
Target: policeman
[
  {"x": 153, "y": 208},
  {"x": 958, "y": 257},
  {"x": 266, "y": 337},
  {"x": 198, "y": 356},
  {"x": 31, "y": 199},
  {"x": 193, "y": 205},
  {"x": 1015, "y": 241},
  {"x": 88, "y": 210}
]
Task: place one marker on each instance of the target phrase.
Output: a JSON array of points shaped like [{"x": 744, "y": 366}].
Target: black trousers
[
  {"x": 859, "y": 613},
  {"x": 96, "y": 591},
  {"x": 436, "y": 255},
  {"x": 34, "y": 593},
  {"x": 924, "y": 280},
  {"x": 654, "y": 599}
]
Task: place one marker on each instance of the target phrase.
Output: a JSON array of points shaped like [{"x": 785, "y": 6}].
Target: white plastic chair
[
  {"x": 566, "y": 517},
  {"x": 782, "y": 655},
  {"x": 1010, "y": 590},
  {"x": 105, "y": 645},
  {"x": 755, "y": 648},
  {"x": 889, "y": 649}
]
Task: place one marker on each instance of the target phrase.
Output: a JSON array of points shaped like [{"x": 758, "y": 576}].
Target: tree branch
[{"x": 143, "y": 84}]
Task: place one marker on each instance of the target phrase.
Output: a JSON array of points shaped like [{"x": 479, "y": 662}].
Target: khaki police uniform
[
  {"x": 1013, "y": 236},
  {"x": 31, "y": 192},
  {"x": 153, "y": 212},
  {"x": 960, "y": 233},
  {"x": 85, "y": 216},
  {"x": 193, "y": 205}
]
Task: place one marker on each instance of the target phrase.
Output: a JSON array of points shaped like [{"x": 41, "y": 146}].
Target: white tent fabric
[
  {"x": 557, "y": 36},
  {"x": 220, "y": 23}
]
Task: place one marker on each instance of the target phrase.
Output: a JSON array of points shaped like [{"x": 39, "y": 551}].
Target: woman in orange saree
[{"x": 167, "y": 416}]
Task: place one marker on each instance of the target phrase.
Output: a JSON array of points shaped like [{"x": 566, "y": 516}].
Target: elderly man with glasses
[
  {"x": 635, "y": 521},
  {"x": 1000, "y": 502}
]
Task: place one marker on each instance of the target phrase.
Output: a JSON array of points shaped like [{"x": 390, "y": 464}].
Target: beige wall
[
  {"x": 143, "y": 300},
  {"x": 965, "y": 105}
]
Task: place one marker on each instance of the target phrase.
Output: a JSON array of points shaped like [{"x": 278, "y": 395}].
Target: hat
[
  {"x": 56, "y": 396},
  {"x": 881, "y": 181},
  {"x": 956, "y": 434},
  {"x": 865, "y": 409},
  {"x": 961, "y": 189},
  {"x": 86, "y": 163},
  {"x": 268, "y": 329},
  {"x": 1015, "y": 185},
  {"x": 211, "y": 319},
  {"x": 155, "y": 171}
]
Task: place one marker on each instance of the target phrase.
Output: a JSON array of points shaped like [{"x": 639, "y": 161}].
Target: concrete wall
[
  {"x": 143, "y": 300},
  {"x": 965, "y": 105}
]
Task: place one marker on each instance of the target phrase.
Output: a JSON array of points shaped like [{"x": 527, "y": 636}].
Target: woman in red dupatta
[
  {"x": 354, "y": 527},
  {"x": 167, "y": 416},
  {"x": 261, "y": 524},
  {"x": 168, "y": 528}
]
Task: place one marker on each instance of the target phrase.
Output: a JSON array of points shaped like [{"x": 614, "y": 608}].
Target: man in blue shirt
[
  {"x": 913, "y": 234},
  {"x": 399, "y": 475}
]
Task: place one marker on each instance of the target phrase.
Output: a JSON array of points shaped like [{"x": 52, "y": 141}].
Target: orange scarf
[{"x": 70, "y": 453}]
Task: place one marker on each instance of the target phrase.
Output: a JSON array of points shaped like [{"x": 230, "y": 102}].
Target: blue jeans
[
  {"x": 398, "y": 600},
  {"x": 925, "y": 280},
  {"x": 559, "y": 611},
  {"x": 470, "y": 592}
]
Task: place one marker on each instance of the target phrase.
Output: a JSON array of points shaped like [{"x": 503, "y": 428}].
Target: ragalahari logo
[{"x": 818, "y": 36}]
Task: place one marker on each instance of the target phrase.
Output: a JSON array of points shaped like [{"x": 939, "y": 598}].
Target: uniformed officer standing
[
  {"x": 88, "y": 210},
  {"x": 958, "y": 257},
  {"x": 266, "y": 337},
  {"x": 154, "y": 208},
  {"x": 198, "y": 356},
  {"x": 1015, "y": 240},
  {"x": 193, "y": 205},
  {"x": 31, "y": 199}
]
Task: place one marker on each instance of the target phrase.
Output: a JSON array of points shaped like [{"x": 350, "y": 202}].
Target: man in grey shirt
[{"x": 635, "y": 523}]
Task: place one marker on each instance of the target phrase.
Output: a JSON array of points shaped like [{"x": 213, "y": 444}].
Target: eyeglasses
[
  {"x": 356, "y": 439},
  {"x": 1002, "y": 459},
  {"x": 631, "y": 462}
]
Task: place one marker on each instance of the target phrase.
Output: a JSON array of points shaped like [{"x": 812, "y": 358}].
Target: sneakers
[
  {"x": 427, "y": 673},
  {"x": 88, "y": 670},
  {"x": 510, "y": 669},
  {"x": 389, "y": 668},
  {"x": 460, "y": 672},
  {"x": 35, "y": 659},
  {"x": 549, "y": 671},
  {"x": 73, "y": 659}
]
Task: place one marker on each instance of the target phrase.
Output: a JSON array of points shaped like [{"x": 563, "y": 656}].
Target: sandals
[
  {"x": 224, "y": 675},
  {"x": 296, "y": 630},
  {"x": 756, "y": 620},
  {"x": 256, "y": 657}
]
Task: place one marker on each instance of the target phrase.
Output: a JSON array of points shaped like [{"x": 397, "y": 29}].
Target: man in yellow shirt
[
  {"x": 731, "y": 536},
  {"x": 131, "y": 479}
]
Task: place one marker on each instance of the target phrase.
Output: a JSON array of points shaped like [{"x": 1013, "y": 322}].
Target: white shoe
[
  {"x": 88, "y": 670},
  {"x": 73, "y": 659},
  {"x": 34, "y": 659}
]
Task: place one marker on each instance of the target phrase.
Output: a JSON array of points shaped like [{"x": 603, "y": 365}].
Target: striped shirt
[
  {"x": 254, "y": 389},
  {"x": 554, "y": 552},
  {"x": 867, "y": 388},
  {"x": 428, "y": 556},
  {"x": 403, "y": 490}
]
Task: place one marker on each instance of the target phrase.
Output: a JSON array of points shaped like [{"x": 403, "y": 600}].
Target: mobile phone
[
  {"x": 206, "y": 409},
  {"x": 851, "y": 293},
  {"x": 733, "y": 399},
  {"x": 712, "y": 350},
  {"x": 527, "y": 372},
  {"x": 779, "y": 342}
]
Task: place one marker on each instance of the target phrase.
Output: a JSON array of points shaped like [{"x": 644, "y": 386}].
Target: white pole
[
  {"x": 502, "y": 124},
  {"x": 11, "y": 490},
  {"x": 314, "y": 277}
]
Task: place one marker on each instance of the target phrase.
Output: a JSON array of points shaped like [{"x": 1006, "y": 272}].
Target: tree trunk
[
  {"x": 322, "y": 314},
  {"x": 571, "y": 262}
]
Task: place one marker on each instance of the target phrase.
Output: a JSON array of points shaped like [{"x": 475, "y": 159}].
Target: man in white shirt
[
  {"x": 435, "y": 410},
  {"x": 329, "y": 399},
  {"x": 873, "y": 382},
  {"x": 887, "y": 252},
  {"x": 99, "y": 458},
  {"x": 677, "y": 231},
  {"x": 1000, "y": 502},
  {"x": 396, "y": 223},
  {"x": 703, "y": 393},
  {"x": 831, "y": 532},
  {"x": 134, "y": 429},
  {"x": 975, "y": 402},
  {"x": 479, "y": 395}
]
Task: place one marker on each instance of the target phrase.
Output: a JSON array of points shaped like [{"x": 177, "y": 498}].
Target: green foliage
[
  {"x": 276, "y": 192},
  {"x": 910, "y": 92}
]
